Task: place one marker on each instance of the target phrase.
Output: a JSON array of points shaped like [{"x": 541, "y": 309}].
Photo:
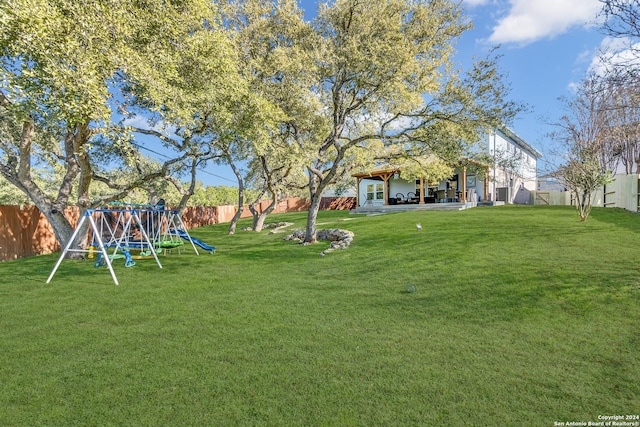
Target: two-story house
[{"x": 509, "y": 174}]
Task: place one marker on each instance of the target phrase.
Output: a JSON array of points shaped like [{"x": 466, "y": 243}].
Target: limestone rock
[{"x": 340, "y": 239}]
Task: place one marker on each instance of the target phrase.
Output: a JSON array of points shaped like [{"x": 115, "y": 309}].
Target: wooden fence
[{"x": 24, "y": 231}]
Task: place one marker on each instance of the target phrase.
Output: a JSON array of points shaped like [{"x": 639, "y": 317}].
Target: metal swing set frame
[{"x": 145, "y": 228}]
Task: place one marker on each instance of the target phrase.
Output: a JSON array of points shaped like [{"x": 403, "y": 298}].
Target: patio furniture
[
  {"x": 441, "y": 196},
  {"x": 399, "y": 198},
  {"x": 451, "y": 195},
  {"x": 412, "y": 198}
]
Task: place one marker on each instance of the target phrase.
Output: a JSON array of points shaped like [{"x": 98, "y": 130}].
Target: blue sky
[{"x": 547, "y": 46}]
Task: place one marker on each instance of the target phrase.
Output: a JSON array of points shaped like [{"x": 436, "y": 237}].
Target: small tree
[
  {"x": 583, "y": 131},
  {"x": 622, "y": 142},
  {"x": 583, "y": 176}
]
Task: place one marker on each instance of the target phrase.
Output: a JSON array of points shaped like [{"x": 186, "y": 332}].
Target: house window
[{"x": 375, "y": 192}]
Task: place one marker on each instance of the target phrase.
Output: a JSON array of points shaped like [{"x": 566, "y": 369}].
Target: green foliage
[
  {"x": 69, "y": 70},
  {"x": 219, "y": 195},
  {"x": 56, "y": 57},
  {"x": 240, "y": 80},
  {"x": 10, "y": 194},
  {"x": 583, "y": 176},
  {"x": 274, "y": 44},
  {"x": 266, "y": 332},
  {"x": 432, "y": 168}
]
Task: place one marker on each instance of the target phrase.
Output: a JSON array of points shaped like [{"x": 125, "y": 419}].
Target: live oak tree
[
  {"x": 276, "y": 50},
  {"x": 65, "y": 66},
  {"x": 387, "y": 86},
  {"x": 245, "y": 138},
  {"x": 367, "y": 81}
]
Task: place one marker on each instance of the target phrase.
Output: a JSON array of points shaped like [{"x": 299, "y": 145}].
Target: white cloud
[
  {"x": 137, "y": 121},
  {"x": 532, "y": 20},
  {"x": 141, "y": 122},
  {"x": 612, "y": 52},
  {"x": 615, "y": 52}
]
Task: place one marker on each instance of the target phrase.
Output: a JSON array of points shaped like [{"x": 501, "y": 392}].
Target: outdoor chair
[
  {"x": 451, "y": 195},
  {"x": 441, "y": 196},
  {"x": 399, "y": 198},
  {"x": 411, "y": 197}
]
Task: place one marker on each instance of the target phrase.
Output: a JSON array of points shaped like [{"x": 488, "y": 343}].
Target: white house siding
[
  {"x": 397, "y": 185},
  {"x": 363, "y": 192},
  {"x": 523, "y": 178}
]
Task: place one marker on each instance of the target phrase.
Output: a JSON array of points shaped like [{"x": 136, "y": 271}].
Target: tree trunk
[
  {"x": 186, "y": 194},
  {"x": 259, "y": 219},
  {"x": 62, "y": 228},
  {"x": 236, "y": 217},
  {"x": 311, "y": 232},
  {"x": 316, "y": 187},
  {"x": 583, "y": 204},
  {"x": 19, "y": 174}
]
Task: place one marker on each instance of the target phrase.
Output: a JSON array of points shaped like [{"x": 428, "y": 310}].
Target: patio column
[
  {"x": 421, "y": 190},
  {"x": 358, "y": 180},
  {"x": 385, "y": 179},
  {"x": 463, "y": 198}
]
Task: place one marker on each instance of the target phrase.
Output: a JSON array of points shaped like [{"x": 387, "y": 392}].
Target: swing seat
[{"x": 169, "y": 244}]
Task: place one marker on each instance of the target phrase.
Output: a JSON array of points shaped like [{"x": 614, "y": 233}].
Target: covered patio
[
  {"x": 444, "y": 206},
  {"x": 384, "y": 187}
]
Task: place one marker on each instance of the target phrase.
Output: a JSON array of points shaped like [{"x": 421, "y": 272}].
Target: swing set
[{"x": 130, "y": 232}]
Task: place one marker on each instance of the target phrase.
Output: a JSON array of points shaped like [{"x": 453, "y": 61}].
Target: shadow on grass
[{"x": 618, "y": 217}]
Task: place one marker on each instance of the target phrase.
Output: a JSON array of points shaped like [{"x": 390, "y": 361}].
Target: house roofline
[
  {"x": 376, "y": 172},
  {"x": 511, "y": 134}
]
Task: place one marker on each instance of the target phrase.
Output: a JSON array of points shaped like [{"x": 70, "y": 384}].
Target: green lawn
[{"x": 521, "y": 316}]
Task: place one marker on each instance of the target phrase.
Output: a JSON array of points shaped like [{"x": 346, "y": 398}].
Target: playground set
[{"x": 131, "y": 232}]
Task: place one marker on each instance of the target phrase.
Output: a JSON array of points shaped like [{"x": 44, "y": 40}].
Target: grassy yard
[{"x": 521, "y": 316}]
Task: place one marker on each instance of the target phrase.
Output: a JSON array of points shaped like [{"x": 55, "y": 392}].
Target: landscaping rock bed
[{"x": 340, "y": 239}]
